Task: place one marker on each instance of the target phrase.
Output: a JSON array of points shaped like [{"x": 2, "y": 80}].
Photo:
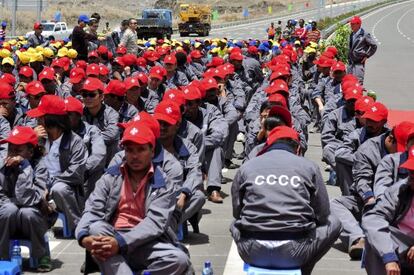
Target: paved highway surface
[{"x": 388, "y": 73}]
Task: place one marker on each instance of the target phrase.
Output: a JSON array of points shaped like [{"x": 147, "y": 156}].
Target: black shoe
[
  {"x": 194, "y": 220},
  {"x": 230, "y": 165}
]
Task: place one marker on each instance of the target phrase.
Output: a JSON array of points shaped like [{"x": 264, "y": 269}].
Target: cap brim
[
  {"x": 142, "y": 141},
  {"x": 165, "y": 118},
  {"x": 372, "y": 117},
  {"x": 35, "y": 113},
  {"x": 75, "y": 80},
  {"x": 409, "y": 164},
  {"x": 155, "y": 76},
  {"x": 283, "y": 113}
]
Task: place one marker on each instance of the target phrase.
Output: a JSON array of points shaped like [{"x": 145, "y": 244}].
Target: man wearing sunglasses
[
  {"x": 129, "y": 39},
  {"x": 37, "y": 39},
  {"x": 99, "y": 114}
]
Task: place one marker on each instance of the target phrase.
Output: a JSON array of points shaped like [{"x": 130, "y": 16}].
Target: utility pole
[
  {"x": 39, "y": 10},
  {"x": 14, "y": 21}
]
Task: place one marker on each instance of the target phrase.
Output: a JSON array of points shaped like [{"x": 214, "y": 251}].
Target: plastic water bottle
[
  {"x": 207, "y": 270},
  {"x": 146, "y": 273},
  {"x": 16, "y": 256}
]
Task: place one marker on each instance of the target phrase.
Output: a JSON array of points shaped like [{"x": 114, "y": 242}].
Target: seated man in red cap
[
  {"x": 361, "y": 47},
  {"x": 174, "y": 77},
  {"x": 268, "y": 231},
  {"x": 36, "y": 38},
  {"x": 24, "y": 209},
  {"x": 126, "y": 218},
  {"x": 389, "y": 227},
  {"x": 114, "y": 97}
]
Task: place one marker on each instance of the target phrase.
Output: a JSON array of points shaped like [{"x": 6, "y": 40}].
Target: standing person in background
[
  {"x": 129, "y": 39},
  {"x": 80, "y": 38},
  {"x": 361, "y": 47},
  {"x": 3, "y": 31},
  {"x": 314, "y": 34},
  {"x": 119, "y": 33},
  {"x": 271, "y": 31}
]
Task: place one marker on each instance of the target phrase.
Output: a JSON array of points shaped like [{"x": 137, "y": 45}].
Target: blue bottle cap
[{"x": 207, "y": 264}]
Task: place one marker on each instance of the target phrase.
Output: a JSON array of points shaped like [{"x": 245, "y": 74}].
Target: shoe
[
  {"x": 230, "y": 165},
  {"x": 328, "y": 168},
  {"x": 45, "y": 264},
  {"x": 332, "y": 178},
  {"x": 82, "y": 269},
  {"x": 240, "y": 137},
  {"x": 215, "y": 197},
  {"x": 194, "y": 220},
  {"x": 314, "y": 130},
  {"x": 240, "y": 156},
  {"x": 355, "y": 251}
]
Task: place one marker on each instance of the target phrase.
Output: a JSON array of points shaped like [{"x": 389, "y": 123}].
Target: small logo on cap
[
  {"x": 374, "y": 109},
  {"x": 168, "y": 110},
  {"x": 15, "y": 132},
  {"x": 133, "y": 131},
  {"x": 137, "y": 118}
]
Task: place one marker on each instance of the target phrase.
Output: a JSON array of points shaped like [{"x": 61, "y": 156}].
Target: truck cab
[{"x": 155, "y": 23}]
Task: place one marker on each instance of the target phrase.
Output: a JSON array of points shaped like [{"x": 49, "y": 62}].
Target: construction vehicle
[
  {"x": 155, "y": 23},
  {"x": 194, "y": 18}
]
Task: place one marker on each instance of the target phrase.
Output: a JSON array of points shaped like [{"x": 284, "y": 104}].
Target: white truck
[{"x": 54, "y": 30}]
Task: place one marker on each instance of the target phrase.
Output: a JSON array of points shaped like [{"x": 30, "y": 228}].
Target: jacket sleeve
[
  {"x": 345, "y": 153},
  {"x": 237, "y": 194},
  {"x": 193, "y": 179},
  {"x": 217, "y": 129},
  {"x": 328, "y": 136},
  {"x": 372, "y": 45},
  {"x": 151, "y": 102},
  {"x": 74, "y": 174},
  {"x": 384, "y": 177},
  {"x": 376, "y": 223},
  {"x": 319, "y": 198},
  {"x": 230, "y": 113},
  {"x": 237, "y": 97},
  {"x": 111, "y": 131},
  {"x": 155, "y": 223},
  {"x": 96, "y": 158},
  {"x": 30, "y": 185},
  {"x": 363, "y": 174}
]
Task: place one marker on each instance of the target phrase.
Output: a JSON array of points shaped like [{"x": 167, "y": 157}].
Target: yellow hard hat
[
  {"x": 151, "y": 49},
  {"x": 215, "y": 50},
  {"x": 13, "y": 42},
  {"x": 313, "y": 45},
  {"x": 21, "y": 38},
  {"x": 309, "y": 49},
  {"x": 24, "y": 57},
  {"x": 197, "y": 44},
  {"x": 36, "y": 57},
  {"x": 179, "y": 48},
  {"x": 39, "y": 49},
  {"x": 48, "y": 53},
  {"x": 4, "y": 53},
  {"x": 69, "y": 44},
  {"x": 31, "y": 50},
  {"x": 7, "y": 60},
  {"x": 62, "y": 52},
  {"x": 72, "y": 53}
]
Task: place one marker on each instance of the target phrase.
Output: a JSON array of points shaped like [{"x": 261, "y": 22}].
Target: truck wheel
[{"x": 182, "y": 34}]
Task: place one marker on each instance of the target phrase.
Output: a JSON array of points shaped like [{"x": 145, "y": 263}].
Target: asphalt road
[{"x": 388, "y": 72}]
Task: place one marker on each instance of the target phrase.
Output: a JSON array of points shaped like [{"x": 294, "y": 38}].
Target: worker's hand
[
  {"x": 13, "y": 161},
  {"x": 410, "y": 255},
  {"x": 364, "y": 60},
  {"x": 370, "y": 201},
  {"x": 392, "y": 268},
  {"x": 321, "y": 108},
  {"x": 21, "y": 87},
  {"x": 40, "y": 131},
  {"x": 127, "y": 70},
  {"x": 108, "y": 248},
  {"x": 91, "y": 242},
  {"x": 181, "y": 201},
  {"x": 3, "y": 111}
]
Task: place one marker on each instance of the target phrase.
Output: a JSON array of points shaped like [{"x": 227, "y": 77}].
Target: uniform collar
[{"x": 180, "y": 147}]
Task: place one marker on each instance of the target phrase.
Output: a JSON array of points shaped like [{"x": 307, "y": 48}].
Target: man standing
[
  {"x": 129, "y": 38},
  {"x": 361, "y": 47},
  {"x": 80, "y": 38},
  {"x": 271, "y": 31},
  {"x": 37, "y": 39},
  {"x": 268, "y": 231}
]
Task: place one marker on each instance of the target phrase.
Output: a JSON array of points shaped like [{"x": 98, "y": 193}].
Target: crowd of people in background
[{"x": 128, "y": 144}]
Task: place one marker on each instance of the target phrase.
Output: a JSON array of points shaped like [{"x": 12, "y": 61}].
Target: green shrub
[{"x": 341, "y": 41}]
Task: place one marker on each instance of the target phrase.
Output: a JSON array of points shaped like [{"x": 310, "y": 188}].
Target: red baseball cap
[
  {"x": 402, "y": 132},
  {"x": 35, "y": 88},
  {"x": 168, "y": 111},
  {"x": 8, "y": 78},
  {"x": 354, "y": 92},
  {"x": 332, "y": 49},
  {"x": 328, "y": 54},
  {"x": 349, "y": 77},
  {"x": 92, "y": 84},
  {"x": 174, "y": 95},
  {"x": 236, "y": 56},
  {"x": 170, "y": 59},
  {"x": 26, "y": 71},
  {"x": 103, "y": 70},
  {"x": 219, "y": 73},
  {"x": 138, "y": 134},
  {"x": 121, "y": 50},
  {"x": 47, "y": 73},
  {"x": 73, "y": 105},
  {"x": 48, "y": 105},
  {"x": 215, "y": 62},
  {"x": 102, "y": 50},
  {"x": 119, "y": 61},
  {"x": 338, "y": 66},
  {"x": 377, "y": 112},
  {"x": 115, "y": 87},
  {"x": 81, "y": 64},
  {"x": 209, "y": 83},
  {"x": 356, "y": 20},
  {"x": 131, "y": 82},
  {"x": 278, "y": 98},
  {"x": 409, "y": 163},
  {"x": 364, "y": 103},
  {"x": 278, "y": 85},
  {"x": 93, "y": 54},
  {"x": 279, "y": 72},
  {"x": 196, "y": 54},
  {"x": 282, "y": 112},
  {"x": 192, "y": 93},
  {"x": 92, "y": 70},
  {"x": 6, "y": 90},
  {"x": 76, "y": 75},
  {"x": 129, "y": 59},
  {"x": 37, "y": 25},
  {"x": 151, "y": 56},
  {"x": 345, "y": 85},
  {"x": 156, "y": 72},
  {"x": 141, "y": 62},
  {"x": 146, "y": 119},
  {"x": 324, "y": 62},
  {"x": 252, "y": 50},
  {"x": 21, "y": 135},
  {"x": 142, "y": 78},
  {"x": 282, "y": 132}
]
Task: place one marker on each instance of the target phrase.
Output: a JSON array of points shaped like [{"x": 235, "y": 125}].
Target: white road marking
[
  {"x": 234, "y": 264},
  {"x": 52, "y": 245},
  {"x": 399, "y": 22}
]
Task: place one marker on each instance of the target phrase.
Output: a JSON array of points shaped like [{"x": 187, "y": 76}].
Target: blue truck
[{"x": 155, "y": 23}]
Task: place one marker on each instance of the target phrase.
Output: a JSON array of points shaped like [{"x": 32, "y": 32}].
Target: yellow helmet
[
  {"x": 72, "y": 53},
  {"x": 48, "y": 53},
  {"x": 62, "y": 52},
  {"x": 36, "y": 57},
  {"x": 24, "y": 57},
  {"x": 4, "y": 53},
  {"x": 7, "y": 60}
]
